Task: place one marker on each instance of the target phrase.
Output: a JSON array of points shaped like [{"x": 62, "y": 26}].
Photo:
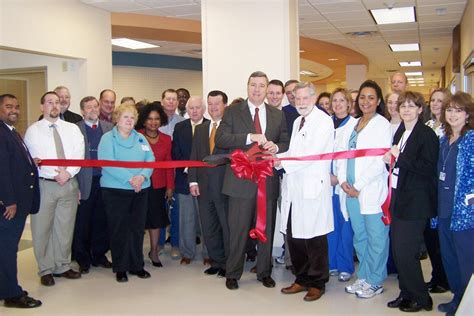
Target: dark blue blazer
[
  {"x": 181, "y": 150},
  {"x": 18, "y": 175}
]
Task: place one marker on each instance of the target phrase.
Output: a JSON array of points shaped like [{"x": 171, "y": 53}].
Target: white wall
[
  {"x": 149, "y": 83},
  {"x": 51, "y": 29}
]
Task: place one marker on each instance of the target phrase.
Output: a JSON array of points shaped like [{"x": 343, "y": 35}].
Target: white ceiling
[{"x": 330, "y": 21}]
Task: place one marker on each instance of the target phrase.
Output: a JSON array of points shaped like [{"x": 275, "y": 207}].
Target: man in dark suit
[
  {"x": 188, "y": 205},
  {"x": 19, "y": 196},
  {"x": 90, "y": 241},
  {"x": 243, "y": 124},
  {"x": 65, "y": 103},
  {"x": 206, "y": 185}
]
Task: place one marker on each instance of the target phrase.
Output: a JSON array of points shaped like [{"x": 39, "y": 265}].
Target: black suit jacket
[
  {"x": 84, "y": 177},
  {"x": 417, "y": 183},
  {"x": 69, "y": 116},
  {"x": 210, "y": 180},
  {"x": 232, "y": 133},
  {"x": 18, "y": 175},
  {"x": 181, "y": 150}
]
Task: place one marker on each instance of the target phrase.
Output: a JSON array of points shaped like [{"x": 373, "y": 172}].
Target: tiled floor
[{"x": 185, "y": 290}]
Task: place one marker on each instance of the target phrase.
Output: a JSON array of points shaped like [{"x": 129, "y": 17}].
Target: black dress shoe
[
  {"x": 267, "y": 282},
  {"x": 142, "y": 274},
  {"x": 23, "y": 301},
  {"x": 436, "y": 289},
  {"x": 396, "y": 303},
  {"x": 221, "y": 273},
  {"x": 69, "y": 274},
  {"x": 104, "y": 264},
  {"x": 155, "y": 263},
  {"x": 121, "y": 277},
  {"x": 47, "y": 280},
  {"x": 231, "y": 284},
  {"x": 84, "y": 269},
  {"x": 211, "y": 271},
  {"x": 410, "y": 306}
]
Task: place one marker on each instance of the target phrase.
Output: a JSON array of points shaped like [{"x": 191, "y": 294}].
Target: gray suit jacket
[
  {"x": 84, "y": 177},
  {"x": 232, "y": 133}
]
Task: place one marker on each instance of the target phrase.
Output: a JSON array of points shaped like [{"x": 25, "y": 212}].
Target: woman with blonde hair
[
  {"x": 125, "y": 192},
  {"x": 341, "y": 262}
]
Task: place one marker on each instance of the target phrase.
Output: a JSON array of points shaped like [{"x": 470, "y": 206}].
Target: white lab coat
[
  {"x": 370, "y": 172},
  {"x": 306, "y": 185},
  {"x": 338, "y": 139}
]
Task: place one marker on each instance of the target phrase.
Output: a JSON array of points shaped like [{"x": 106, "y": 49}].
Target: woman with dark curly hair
[{"x": 151, "y": 118}]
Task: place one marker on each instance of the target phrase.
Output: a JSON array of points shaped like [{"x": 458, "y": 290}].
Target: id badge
[{"x": 442, "y": 176}]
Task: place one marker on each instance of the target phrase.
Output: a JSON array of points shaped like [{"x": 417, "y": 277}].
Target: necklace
[{"x": 149, "y": 136}]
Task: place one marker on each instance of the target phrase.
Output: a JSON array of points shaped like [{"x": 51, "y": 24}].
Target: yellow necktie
[{"x": 212, "y": 137}]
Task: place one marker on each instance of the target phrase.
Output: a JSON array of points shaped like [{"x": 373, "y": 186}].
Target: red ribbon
[
  {"x": 124, "y": 164},
  {"x": 245, "y": 166}
]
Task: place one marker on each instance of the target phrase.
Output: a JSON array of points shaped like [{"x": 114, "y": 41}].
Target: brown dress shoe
[
  {"x": 47, "y": 280},
  {"x": 294, "y": 288},
  {"x": 313, "y": 294},
  {"x": 253, "y": 269},
  {"x": 69, "y": 274},
  {"x": 207, "y": 261},
  {"x": 185, "y": 261}
]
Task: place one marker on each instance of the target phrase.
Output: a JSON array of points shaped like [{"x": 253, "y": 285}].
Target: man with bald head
[
  {"x": 64, "y": 104},
  {"x": 398, "y": 82},
  {"x": 107, "y": 104},
  {"x": 188, "y": 205}
]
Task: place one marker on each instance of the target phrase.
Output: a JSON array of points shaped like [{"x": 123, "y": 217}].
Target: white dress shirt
[{"x": 40, "y": 142}]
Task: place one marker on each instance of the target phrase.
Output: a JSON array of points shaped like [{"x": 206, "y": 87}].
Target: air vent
[{"x": 362, "y": 34}]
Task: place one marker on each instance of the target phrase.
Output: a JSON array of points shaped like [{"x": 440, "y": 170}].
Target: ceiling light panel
[
  {"x": 410, "y": 63},
  {"x": 414, "y": 73},
  {"x": 394, "y": 15},
  {"x": 132, "y": 44},
  {"x": 405, "y": 47}
]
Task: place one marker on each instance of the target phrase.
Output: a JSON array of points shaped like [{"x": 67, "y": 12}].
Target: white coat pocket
[{"x": 312, "y": 187}]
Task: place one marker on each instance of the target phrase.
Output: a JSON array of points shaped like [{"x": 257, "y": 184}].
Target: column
[{"x": 242, "y": 36}]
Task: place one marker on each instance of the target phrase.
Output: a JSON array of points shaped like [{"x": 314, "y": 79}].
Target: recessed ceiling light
[
  {"x": 132, "y": 44},
  {"x": 405, "y": 47},
  {"x": 302, "y": 51},
  {"x": 411, "y": 80},
  {"x": 414, "y": 73},
  {"x": 307, "y": 73},
  {"x": 410, "y": 63},
  {"x": 333, "y": 59},
  {"x": 394, "y": 15}
]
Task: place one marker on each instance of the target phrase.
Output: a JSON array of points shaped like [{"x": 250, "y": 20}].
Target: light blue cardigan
[{"x": 113, "y": 146}]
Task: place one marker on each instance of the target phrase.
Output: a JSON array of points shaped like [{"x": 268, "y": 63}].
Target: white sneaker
[
  {"x": 356, "y": 286},
  {"x": 344, "y": 277},
  {"x": 281, "y": 259},
  {"x": 369, "y": 292},
  {"x": 333, "y": 272},
  {"x": 175, "y": 253}
]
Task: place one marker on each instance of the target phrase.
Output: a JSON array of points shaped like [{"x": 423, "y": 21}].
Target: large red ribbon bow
[{"x": 245, "y": 166}]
